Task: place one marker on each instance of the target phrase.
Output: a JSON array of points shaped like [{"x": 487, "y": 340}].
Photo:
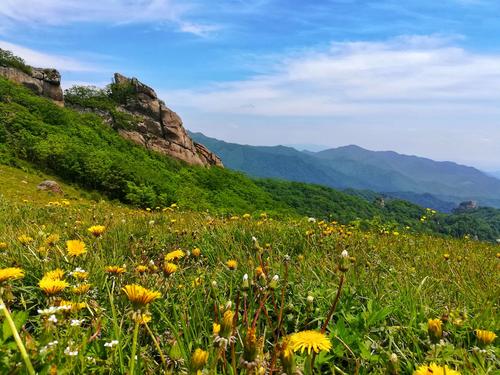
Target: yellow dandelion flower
[
  {"x": 309, "y": 341},
  {"x": 52, "y": 239},
  {"x": 56, "y": 274},
  {"x": 259, "y": 271},
  {"x": 446, "y": 256},
  {"x": 141, "y": 268},
  {"x": 3, "y": 245},
  {"x": 115, "y": 270},
  {"x": 196, "y": 252},
  {"x": 435, "y": 328},
  {"x": 80, "y": 275},
  {"x": 97, "y": 230},
  {"x": 434, "y": 369},
  {"x": 197, "y": 282},
  {"x": 11, "y": 273},
  {"x": 52, "y": 286},
  {"x": 169, "y": 268},
  {"x": 139, "y": 295},
  {"x": 232, "y": 264},
  {"x": 485, "y": 337},
  {"x": 24, "y": 239},
  {"x": 199, "y": 359},
  {"x": 75, "y": 248},
  {"x": 81, "y": 289},
  {"x": 246, "y": 216},
  {"x": 175, "y": 255}
]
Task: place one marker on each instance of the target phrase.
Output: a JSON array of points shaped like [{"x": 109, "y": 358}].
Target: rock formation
[
  {"x": 159, "y": 128},
  {"x": 44, "y": 82}
]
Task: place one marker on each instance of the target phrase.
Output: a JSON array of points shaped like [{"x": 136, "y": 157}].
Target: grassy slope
[{"x": 395, "y": 283}]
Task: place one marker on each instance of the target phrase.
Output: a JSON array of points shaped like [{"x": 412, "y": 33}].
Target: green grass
[{"x": 396, "y": 281}]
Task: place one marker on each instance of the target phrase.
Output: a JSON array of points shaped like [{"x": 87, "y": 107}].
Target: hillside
[
  {"x": 72, "y": 272},
  {"x": 353, "y": 167}
]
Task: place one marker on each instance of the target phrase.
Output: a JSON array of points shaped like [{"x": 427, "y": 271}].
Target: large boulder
[
  {"x": 159, "y": 128},
  {"x": 49, "y": 185},
  {"x": 43, "y": 82}
]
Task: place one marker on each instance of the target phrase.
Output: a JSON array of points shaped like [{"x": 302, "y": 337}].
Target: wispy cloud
[
  {"x": 426, "y": 73},
  {"x": 42, "y": 59},
  {"x": 64, "y": 12}
]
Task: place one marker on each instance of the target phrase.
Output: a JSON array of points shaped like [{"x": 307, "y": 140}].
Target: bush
[{"x": 8, "y": 59}]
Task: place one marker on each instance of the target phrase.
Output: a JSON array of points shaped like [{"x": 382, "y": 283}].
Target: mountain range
[{"x": 438, "y": 185}]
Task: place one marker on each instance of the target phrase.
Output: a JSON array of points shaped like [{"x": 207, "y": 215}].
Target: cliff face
[
  {"x": 44, "y": 82},
  {"x": 159, "y": 128}
]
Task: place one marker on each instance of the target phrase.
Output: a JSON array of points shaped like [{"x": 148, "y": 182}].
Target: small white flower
[
  {"x": 344, "y": 254},
  {"x": 52, "y": 319},
  {"x": 245, "y": 277},
  {"x": 311, "y": 220},
  {"x": 151, "y": 222},
  {"x": 2, "y": 306},
  {"x": 276, "y": 278},
  {"x": 310, "y": 299},
  {"x": 254, "y": 239},
  {"x": 76, "y": 322},
  {"x": 228, "y": 305},
  {"x": 70, "y": 353},
  {"x": 52, "y": 343},
  {"x": 111, "y": 344}
]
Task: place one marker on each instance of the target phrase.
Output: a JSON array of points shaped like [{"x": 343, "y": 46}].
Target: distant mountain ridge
[{"x": 441, "y": 184}]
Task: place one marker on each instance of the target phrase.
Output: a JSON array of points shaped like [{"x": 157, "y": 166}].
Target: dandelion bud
[
  {"x": 393, "y": 365},
  {"x": 435, "y": 329},
  {"x": 310, "y": 299},
  {"x": 245, "y": 285},
  {"x": 344, "y": 261},
  {"x": 175, "y": 352},
  {"x": 274, "y": 282},
  {"x": 214, "y": 284},
  {"x": 228, "y": 305}
]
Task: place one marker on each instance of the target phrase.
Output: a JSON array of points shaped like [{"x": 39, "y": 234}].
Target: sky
[{"x": 418, "y": 77}]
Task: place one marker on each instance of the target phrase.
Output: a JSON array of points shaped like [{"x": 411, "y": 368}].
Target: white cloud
[
  {"x": 44, "y": 60},
  {"x": 427, "y": 74},
  {"x": 64, "y": 12}
]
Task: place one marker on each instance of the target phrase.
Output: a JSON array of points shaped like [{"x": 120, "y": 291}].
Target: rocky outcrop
[
  {"x": 43, "y": 82},
  {"x": 50, "y": 185},
  {"x": 158, "y": 128}
]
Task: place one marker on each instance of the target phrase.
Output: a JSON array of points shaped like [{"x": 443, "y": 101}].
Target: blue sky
[{"x": 418, "y": 77}]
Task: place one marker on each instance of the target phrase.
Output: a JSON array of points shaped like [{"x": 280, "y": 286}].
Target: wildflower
[
  {"x": 196, "y": 252},
  {"x": 485, "y": 337},
  {"x": 175, "y": 255},
  {"x": 81, "y": 289},
  {"x": 286, "y": 356},
  {"x": 199, "y": 359},
  {"x": 216, "y": 329},
  {"x": 52, "y": 319},
  {"x": 97, "y": 230},
  {"x": 434, "y": 369},
  {"x": 232, "y": 264},
  {"x": 111, "y": 344},
  {"x": 141, "y": 318},
  {"x": 169, "y": 268},
  {"x": 139, "y": 295},
  {"x": 24, "y": 239},
  {"x": 52, "y": 239},
  {"x": 273, "y": 284},
  {"x": 80, "y": 274},
  {"x": 52, "y": 286},
  {"x": 3, "y": 245},
  {"x": 310, "y": 299},
  {"x": 75, "y": 248},
  {"x": 309, "y": 341},
  {"x": 227, "y": 323},
  {"x": 435, "y": 328},
  {"x": 246, "y": 216},
  {"x": 115, "y": 270},
  {"x": 76, "y": 322},
  {"x": 11, "y": 273},
  {"x": 446, "y": 256},
  {"x": 259, "y": 271},
  {"x": 141, "y": 268},
  {"x": 69, "y": 352},
  {"x": 56, "y": 274},
  {"x": 245, "y": 285}
]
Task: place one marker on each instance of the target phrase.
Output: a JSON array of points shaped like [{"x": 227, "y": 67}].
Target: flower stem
[
  {"x": 134, "y": 348},
  {"x": 17, "y": 338}
]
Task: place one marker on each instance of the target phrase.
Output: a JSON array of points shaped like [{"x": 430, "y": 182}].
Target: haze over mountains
[{"x": 440, "y": 185}]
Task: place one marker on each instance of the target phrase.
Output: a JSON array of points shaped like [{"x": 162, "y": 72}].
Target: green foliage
[
  {"x": 80, "y": 148},
  {"x": 8, "y": 59}
]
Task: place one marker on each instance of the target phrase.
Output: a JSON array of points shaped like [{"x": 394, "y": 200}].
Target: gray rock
[{"x": 50, "y": 186}]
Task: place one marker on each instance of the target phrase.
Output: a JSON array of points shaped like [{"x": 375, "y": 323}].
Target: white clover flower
[
  {"x": 76, "y": 322},
  {"x": 69, "y": 352},
  {"x": 111, "y": 344},
  {"x": 52, "y": 319}
]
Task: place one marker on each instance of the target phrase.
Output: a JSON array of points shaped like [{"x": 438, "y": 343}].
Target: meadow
[{"x": 93, "y": 286}]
